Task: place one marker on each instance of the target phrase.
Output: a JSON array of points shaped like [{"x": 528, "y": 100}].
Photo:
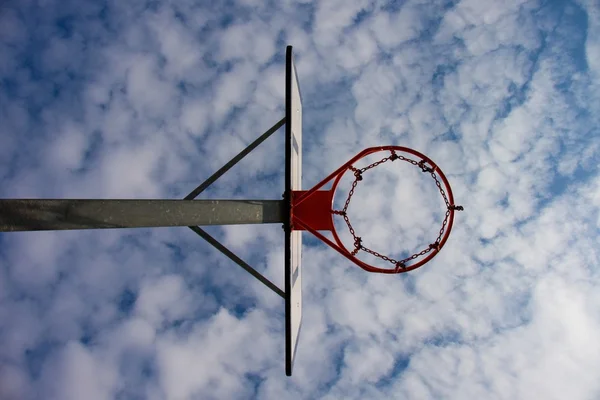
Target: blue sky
[{"x": 146, "y": 99}]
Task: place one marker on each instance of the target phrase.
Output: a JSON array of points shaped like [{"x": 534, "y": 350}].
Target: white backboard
[{"x": 293, "y": 270}]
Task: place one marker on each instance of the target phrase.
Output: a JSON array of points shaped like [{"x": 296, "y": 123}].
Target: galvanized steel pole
[{"x": 61, "y": 214}]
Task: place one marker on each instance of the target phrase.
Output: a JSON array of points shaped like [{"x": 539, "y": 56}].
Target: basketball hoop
[
  {"x": 298, "y": 211},
  {"x": 312, "y": 210}
]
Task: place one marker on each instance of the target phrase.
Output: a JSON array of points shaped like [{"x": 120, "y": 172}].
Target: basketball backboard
[{"x": 293, "y": 239}]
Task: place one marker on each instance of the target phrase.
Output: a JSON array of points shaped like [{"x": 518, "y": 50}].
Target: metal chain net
[{"x": 399, "y": 264}]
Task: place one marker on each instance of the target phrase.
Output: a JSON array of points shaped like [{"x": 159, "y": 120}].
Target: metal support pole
[{"x": 60, "y": 214}]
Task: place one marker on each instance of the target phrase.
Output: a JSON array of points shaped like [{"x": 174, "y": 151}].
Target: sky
[{"x": 146, "y": 99}]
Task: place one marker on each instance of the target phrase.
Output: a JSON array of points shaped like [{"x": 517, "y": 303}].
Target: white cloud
[
  {"x": 68, "y": 151},
  {"x": 212, "y": 342},
  {"x": 394, "y": 29},
  {"x": 146, "y": 91},
  {"x": 78, "y": 373},
  {"x": 332, "y": 18},
  {"x": 164, "y": 301},
  {"x": 249, "y": 41},
  {"x": 141, "y": 101}
]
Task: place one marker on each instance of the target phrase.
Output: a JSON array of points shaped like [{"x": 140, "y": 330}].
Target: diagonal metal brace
[
  {"x": 214, "y": 242},
  {"x": 194, "y": 193}
]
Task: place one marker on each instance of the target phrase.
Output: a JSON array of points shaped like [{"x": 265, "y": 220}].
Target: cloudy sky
[{"x": 145, "y": 99}]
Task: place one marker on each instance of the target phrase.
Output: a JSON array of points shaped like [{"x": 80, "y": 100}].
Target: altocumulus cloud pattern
[{"x": 145, "y": 99}]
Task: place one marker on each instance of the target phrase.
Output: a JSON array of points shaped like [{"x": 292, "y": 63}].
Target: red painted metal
[{"x": 312, "y": 210}]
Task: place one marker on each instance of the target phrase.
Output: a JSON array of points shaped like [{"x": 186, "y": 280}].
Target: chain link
[{"x": 399, "y": 264}]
